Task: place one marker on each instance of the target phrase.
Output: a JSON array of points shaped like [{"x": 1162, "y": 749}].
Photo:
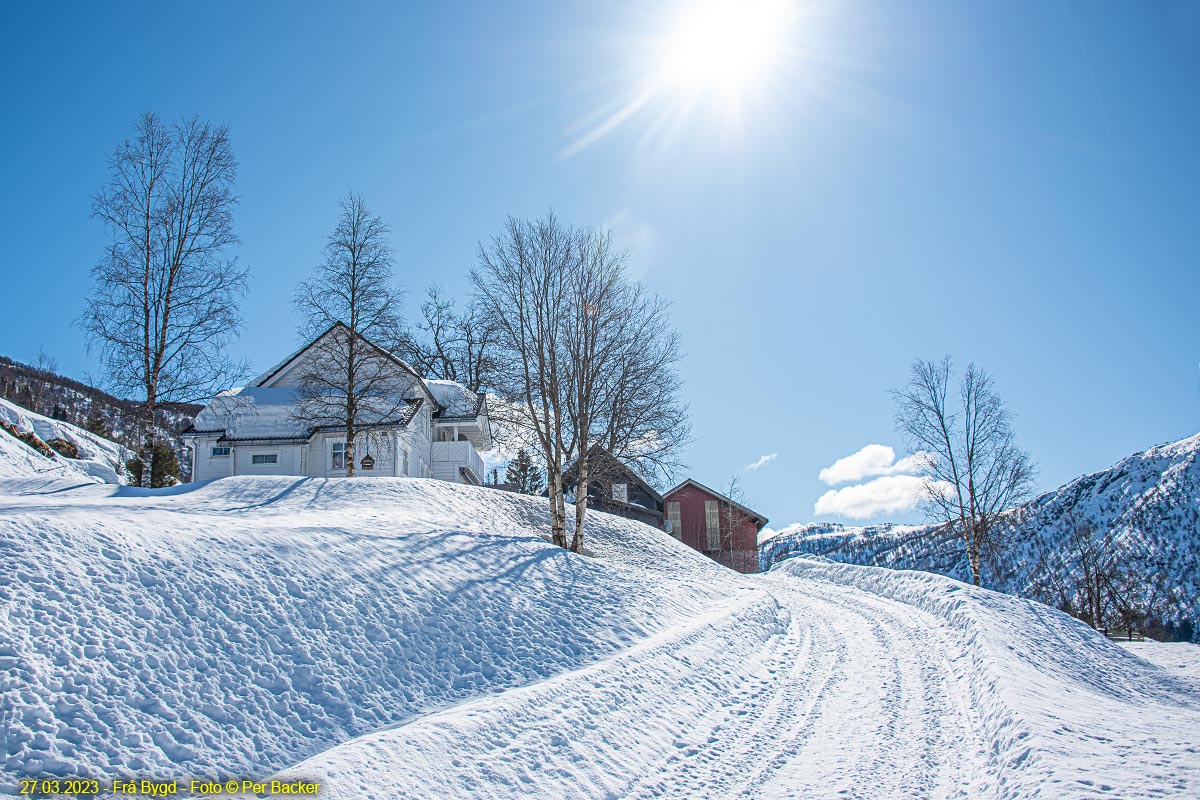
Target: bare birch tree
[
  {"x": 352, "y": 380},
  {"x": 166, "y": 293},
  {"x": 622, "y": 357},
  {"x": 974, "y": 467},
  {"x": 522, "y": 281},
  {"x": 585, "y": 356},
  {"x": 453, "y": 345}
]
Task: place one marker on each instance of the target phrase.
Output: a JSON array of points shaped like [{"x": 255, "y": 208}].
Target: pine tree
[
  {"x": 97, "y": 423},
  {"x": 523, "y": 474},
  {"x": 164, "y": 467}
]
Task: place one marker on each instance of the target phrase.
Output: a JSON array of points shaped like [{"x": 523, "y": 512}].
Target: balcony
[{"x": 451, "y": 458}]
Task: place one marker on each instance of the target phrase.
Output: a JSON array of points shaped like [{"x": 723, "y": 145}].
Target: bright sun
[{"x": 722, "y": 45}]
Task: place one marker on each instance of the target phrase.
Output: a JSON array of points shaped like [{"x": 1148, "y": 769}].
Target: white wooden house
[{"x": 437, "y": 433}]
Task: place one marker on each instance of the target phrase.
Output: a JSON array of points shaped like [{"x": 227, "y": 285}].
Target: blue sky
[{"x": 1011, "y": 183}]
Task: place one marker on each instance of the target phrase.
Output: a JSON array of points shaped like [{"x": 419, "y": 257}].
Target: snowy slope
[
  {"x": 1153, "y": 497},
  {"x": 99, "y": 459},
  {"x": 847, "y": 681},
  {"x": 398, "y": 638},
  {"x": 245, "y": 624}
]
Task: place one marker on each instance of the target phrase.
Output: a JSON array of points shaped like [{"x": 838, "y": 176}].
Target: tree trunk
[
  {"x": 581, "y": 490},
  {"x": 973, "y": 554},
  {"x": 148, "y": 448},
  {"x": 558, "y": 511}
]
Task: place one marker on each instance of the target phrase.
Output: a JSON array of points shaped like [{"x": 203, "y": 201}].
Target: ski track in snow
[{"x": 398, "y": 638}]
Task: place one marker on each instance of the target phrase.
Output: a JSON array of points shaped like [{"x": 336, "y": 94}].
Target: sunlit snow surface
[{"x": 397, "y": 638}]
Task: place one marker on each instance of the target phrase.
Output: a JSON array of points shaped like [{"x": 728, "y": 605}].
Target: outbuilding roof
[{"x": 759, "y": 519}]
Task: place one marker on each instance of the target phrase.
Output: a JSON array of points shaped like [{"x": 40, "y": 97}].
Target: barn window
[
  {"x": 621, "y": 492},
  {"x": 264, "y": 458},
  {"x": 219, "y": 451},
  {"x": 674, "y": 518},
  {"x": 337, "y": 456},
  {"x": 712, "y": 525}
]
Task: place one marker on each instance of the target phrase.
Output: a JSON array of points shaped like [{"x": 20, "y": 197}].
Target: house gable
[{"x": 759, "y": 520}]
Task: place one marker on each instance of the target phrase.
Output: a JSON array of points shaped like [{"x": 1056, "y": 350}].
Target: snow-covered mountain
[
  {"x": 406, "y": 638},
  {"x": 1150, "y": 499}
]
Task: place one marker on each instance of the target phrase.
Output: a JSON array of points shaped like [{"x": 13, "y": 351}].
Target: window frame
[
  {"x": 273, "y": 455},
  {"x": 212, "y": 452},
  {"x": 336, "y": 449},
  {"x": 675, "y": 517},
  {"x": 624, "y": 487},
  {"x": 712, "y": 532}
]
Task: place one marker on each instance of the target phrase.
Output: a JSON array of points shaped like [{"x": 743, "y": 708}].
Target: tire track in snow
[{"x": 800, "y": 690}]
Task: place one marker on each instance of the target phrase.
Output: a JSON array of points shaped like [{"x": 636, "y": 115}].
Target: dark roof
[
  {"x": 611, "y": 462},
  {"x": 758, "y": 518}
]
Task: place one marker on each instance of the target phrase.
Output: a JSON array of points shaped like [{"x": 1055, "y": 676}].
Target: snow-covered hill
[
  {"x": 1150, "y": 501},
  {"x": 60, "y": 398},
  {"x": 33, "y": 445},
  {"x": 395, "y": 638}
]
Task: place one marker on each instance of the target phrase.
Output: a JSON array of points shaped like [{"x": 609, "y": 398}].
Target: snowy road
[
  {"x": 804, "y": 690},
  {"x": 810, "y": 688}
]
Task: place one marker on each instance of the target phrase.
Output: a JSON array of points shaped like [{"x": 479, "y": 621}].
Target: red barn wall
[{"x": 742, "y": 550}]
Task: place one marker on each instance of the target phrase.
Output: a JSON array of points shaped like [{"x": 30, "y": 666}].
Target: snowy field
[{"x": 397, "y": 638}]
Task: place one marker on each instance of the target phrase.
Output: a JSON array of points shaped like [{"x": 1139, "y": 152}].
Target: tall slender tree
[
  {"x": 975, "y": 470},
  {"x": 351, "y": 305},
  {"x": 166, "y": 292}
]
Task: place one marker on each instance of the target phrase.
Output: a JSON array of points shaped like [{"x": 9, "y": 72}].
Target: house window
[
  {"x": 621, "y": 492},
  {"x": 264, "y": 458},
  {"x": 712, "y": 525},
  {"x": 219, "y": 451},
  {"x": 337, "y": 456},
  {"x": 673, "y": 517},
  {"x": 404, "y": 461}
]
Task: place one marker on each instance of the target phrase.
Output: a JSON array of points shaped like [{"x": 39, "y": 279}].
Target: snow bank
[
  {"x": 240, "y": 626},
  {"x": 99, "y": 459},
  {"x": 1066, "y": 712}
]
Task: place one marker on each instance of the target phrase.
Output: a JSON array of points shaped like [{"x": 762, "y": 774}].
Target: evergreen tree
[
  {"x": 523, "y": 474},
  {"x": 97, "y": 423},
  {"x": 164, "y": 467}
]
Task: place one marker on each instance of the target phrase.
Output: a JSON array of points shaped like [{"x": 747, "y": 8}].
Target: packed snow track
[{"x": 394, "y": 638}]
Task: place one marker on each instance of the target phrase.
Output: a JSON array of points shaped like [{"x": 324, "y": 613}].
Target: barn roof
[{"x": 759, "y": 519}]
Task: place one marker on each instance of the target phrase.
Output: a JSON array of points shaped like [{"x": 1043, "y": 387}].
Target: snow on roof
[
  {"x": 456, "y": 399},
  {"x": 252, "y": 412}
]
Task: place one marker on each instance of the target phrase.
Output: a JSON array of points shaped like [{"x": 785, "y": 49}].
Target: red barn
[{"x": 717, "y": 526}]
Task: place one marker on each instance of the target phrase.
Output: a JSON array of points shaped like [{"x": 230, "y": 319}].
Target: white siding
[
  {"x": 206, "y": 466},
  {"x": 287, "y": 464}
]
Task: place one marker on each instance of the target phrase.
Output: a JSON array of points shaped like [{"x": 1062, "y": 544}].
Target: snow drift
[
  {"x": 242, "y": 625},
  {"x": 396, "y": 638}
]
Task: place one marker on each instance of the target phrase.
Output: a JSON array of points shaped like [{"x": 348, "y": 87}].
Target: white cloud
[
  {"x": 763, "y": 460},
  {"x": 870, "y": 461},
  {"x": 890, "y": 494}
]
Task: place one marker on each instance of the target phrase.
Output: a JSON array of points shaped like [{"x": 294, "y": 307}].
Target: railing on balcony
[{"x": 450, "y": 457}]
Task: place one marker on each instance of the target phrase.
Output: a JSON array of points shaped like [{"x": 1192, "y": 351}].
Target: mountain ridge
[{"x": 1145, "y": 509}]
